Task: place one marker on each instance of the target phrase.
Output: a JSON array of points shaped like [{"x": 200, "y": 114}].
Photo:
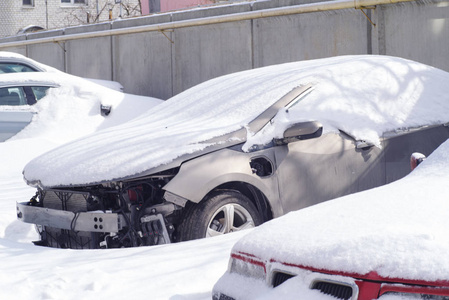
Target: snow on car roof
[
  {"x": 362, "y": 95},
  {"x": 29, "y": 78},
  {"x": 400, "y": 230}
]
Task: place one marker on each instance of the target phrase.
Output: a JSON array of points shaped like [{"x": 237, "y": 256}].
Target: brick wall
[
  {"x": 167, "y": 5},
  {"x": 51, "y": 14}
]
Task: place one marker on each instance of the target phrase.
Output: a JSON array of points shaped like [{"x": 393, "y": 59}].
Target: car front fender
[{"x": 197, "y": 177}]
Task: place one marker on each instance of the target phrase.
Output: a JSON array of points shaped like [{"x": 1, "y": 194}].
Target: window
[
  {"x": 22, "y": 95},
  {"x": 39, "y": 92},
  {"x": 28, "y": 2},
  {"x": 7, "y": 67},
  {"x": 74, "y": 2},
  {"x": 12, "y": 96}
]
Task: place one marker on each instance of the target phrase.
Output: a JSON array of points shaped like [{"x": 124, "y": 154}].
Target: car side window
[
  {"x": 39, "y": 92},
  {"x": 15, "y": 68},
  {"x": 12, "y": 96},
  {"x": 35, "y": 93}
]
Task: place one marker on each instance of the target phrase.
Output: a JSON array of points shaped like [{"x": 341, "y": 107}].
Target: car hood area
[
  {"x": 397, "y": 231},
  {"x": 361, "y": 95}
]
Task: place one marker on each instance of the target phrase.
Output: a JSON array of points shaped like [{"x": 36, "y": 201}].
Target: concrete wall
[
  {"x": 162, "y": 64},
  {"x": 142, "y": 62},
  {"x": 421, "y": 34},
  {"x": 51, "y": 54}
]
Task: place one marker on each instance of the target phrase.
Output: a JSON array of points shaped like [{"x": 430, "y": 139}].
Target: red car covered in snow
[{"x": 388, "y": 243}]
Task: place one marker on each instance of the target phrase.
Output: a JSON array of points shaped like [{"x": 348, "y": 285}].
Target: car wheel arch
[{"x": 256, "y": 196}]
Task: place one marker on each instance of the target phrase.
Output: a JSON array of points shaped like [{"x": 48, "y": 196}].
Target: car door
[
  {"x": 15, "y": 113},
  {"x": 12, "y": 122},
  {"x": 319, "y": 169},
  {"x": 15, "y": 108}
]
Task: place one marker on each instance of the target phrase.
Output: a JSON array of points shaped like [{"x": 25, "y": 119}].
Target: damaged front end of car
[
  {"x": 110, "y": 215},
  {"x": 169, "y": 202}
]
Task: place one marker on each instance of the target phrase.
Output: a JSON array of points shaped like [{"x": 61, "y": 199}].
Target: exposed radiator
[
  {"x": 60, "y": 238},
  {"x": 69, "y": 201}
]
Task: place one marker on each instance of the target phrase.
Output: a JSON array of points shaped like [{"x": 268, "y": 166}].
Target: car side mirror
[
  {"x": 300, "y": 131},
  {"x": 105, "y": 110}
]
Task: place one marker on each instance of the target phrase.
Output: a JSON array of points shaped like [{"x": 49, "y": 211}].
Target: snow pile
[
  {"x": 362, "y": 95},
  {"x": 399, "y": 230}
]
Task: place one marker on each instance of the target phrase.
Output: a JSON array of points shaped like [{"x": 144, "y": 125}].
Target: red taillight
[{"x": 415, "y": 159}]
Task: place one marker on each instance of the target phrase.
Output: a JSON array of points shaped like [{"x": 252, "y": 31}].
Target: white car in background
[
  {"x": 11, "y": 62},
  {"x": 15, "y": 63},
  {"x": 53, "y": 101}
]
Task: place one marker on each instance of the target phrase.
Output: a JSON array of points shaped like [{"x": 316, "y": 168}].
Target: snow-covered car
[
  {"x": 239, "y": 150},
  {"x": 11, "y": 62},
  {"x": 390, "y": 242},
  {"x": 47, "y": 99}
]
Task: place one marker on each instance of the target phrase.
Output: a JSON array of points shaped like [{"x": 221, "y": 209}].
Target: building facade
[
  {"x": 151, "y": 6},
  {"x": 20, "y": 16}
]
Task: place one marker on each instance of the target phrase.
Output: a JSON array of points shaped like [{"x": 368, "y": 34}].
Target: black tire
[{"x": 213, "y": 216}]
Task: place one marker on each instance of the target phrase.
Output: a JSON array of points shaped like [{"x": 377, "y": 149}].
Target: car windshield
[
  {"x": 288, "y": 101},
  {"x": 8, "y": 67}
]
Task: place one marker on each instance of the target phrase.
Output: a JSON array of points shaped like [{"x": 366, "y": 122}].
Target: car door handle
[{"x": 364, "y": 145}]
